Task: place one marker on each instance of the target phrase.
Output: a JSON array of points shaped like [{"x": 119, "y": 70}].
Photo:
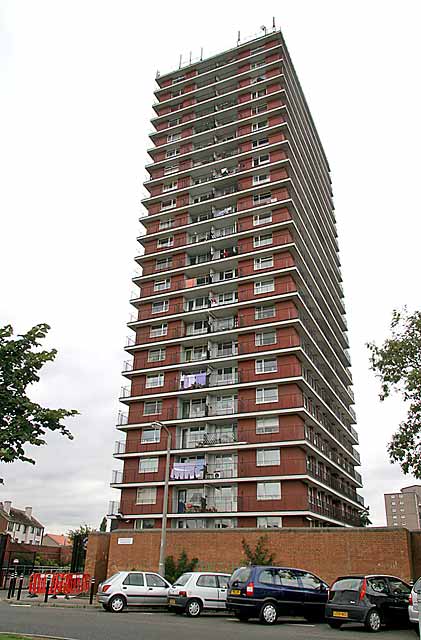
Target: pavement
[{"x": 136, "y": 624}]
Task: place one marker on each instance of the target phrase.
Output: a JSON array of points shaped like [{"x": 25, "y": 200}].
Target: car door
[
  {"x": 133, "y": 588},
  {"x": 314, "y": 592},
  {"x": 222, "y": 590},
  {"x": 398, "y": 600},
  {"x": 156, "y": 589},
  {"x": 283, "y": 586},
  {"x": 207, "y": 590}
]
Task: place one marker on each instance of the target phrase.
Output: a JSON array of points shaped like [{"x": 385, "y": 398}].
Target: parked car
[
  {"x": 267, "y": 592},
  {"x": 197, "y": 590},
  {"x": 413, "y": 609},
  {"x": 128, "y": 588},
  {"x": 373, "y": 600}
]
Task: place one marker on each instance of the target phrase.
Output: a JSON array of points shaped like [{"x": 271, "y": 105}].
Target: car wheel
[
  {"x": 268, "y": 613},
  {"x": 105, "y": 606},
  {"x": 373, "y": 621},
  {"x": 242, "y": 617},
  {"x": 335, "y": 624},
  {"x": 117, "y": 604},
  {"x": 193, "y": 608}
]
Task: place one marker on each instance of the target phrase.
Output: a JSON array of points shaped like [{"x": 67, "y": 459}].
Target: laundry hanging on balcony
[
  {"x": 188, "y": 470},
  {"x": 193, "y": 380}
]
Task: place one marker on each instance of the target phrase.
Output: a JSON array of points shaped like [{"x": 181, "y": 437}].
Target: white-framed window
[
  {"x": 269, "y": 522},
  {"x": 150, "y": 435},
  {"x": 262, "y": 240},
  {"x": 258, "y": 94},
  {"x": 168, "y": 204},
  {"x": 261, "y": 160},
  {"x": 264, "y": 177},
  {"x": 227, "y": 297},
  {"x": 151, "y": 408},
  {"x": 266, "y": 365},
  {"x": 161, "y": 285},
  {"x": 268, "y": 457},
  {"x": 160, "y": 306},
  {"x": 159, "y": 330},
  {"x": 174, "y": 122},
  {"x": 156, "y": 355},
  {"x": 166, "y": 224},
  {"x": 264, "y": 286},
  {"x": 171, "y": 168},
  {"x": 266, "y": 262},
  {"x": 165, "y": 242},
  {"x": 266, "y": 394},
  {"x": 170, "y": 186},
  {"x": 173, "y": 137},
  {"x": 261, "y": 108},
  {"x": 171, "y": 153},
  {"x": 146, "y": 495},
  {"x": 261, "y": 142},
  {"x": 256, "y": 126},
  {"x": 263, "y": 338},
  {"x": 164, "y": 263},
  {"x": 154, "y": 380},
  {"x": 268, "y": 490},
  {"x": 262, "y": 218},
  {"x": 144, "y": 523},
  {"x": 261, "y": 198},
  {"x": 175, "y": 94},
  {"x": 265, "y": 311},
  {"x": 267, "y": 424},
  {"x": 148, "y": 465}
]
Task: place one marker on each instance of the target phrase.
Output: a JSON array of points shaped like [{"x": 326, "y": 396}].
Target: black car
[
  {"x": 267, "y": 592},
  {"x": 372, "y": 600}
]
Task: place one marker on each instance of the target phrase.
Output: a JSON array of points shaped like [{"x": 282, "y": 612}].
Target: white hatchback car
[
  {"x": 195, "y": 591},
  {"x": 138, "y": 588},
  {"x": 414, "y": 600}
]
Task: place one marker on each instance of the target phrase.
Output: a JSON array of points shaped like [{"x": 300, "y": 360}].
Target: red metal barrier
[{"x": 60, "y": 583}]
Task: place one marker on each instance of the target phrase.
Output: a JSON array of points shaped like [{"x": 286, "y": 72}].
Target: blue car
[{"x": 268, "y": 592}]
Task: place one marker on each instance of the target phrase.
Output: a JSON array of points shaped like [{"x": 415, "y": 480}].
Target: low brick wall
[{"x": 326, "y": 552}]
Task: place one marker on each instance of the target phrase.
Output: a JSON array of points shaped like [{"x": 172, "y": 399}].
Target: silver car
[
  {"x": 197, "y": 590},
  {"x": 414, "y": 599},
  {"x": 133, "y": 588}
]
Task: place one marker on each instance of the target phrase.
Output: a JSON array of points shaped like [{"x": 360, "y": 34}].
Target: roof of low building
[
  {"x": 18, "y": 515},
  {"x": 61, "y": 540}
]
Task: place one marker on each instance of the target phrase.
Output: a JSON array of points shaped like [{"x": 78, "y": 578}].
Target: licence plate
[
  {"x": 171, "y": 601},
  {"x": 340, "y": 614},
  {"x": 235, "y": 592}
]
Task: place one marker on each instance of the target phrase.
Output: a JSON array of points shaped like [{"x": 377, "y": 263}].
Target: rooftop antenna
[
  {"x": 273, "y": 23},
  {"x": 238, "y": 38},
  {"x": 264, "y": 29},
  {"x": 190, "y": 58},
  {"x": 179, "y": 64},
  {"x": 201, "y": 53}
]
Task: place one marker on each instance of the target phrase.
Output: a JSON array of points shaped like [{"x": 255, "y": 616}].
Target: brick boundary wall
[{"x": 327, "y": 552}]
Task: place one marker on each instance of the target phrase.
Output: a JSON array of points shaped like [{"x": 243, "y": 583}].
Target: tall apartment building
[
  {"x": 404, "y": 509},
  {"x": 240, "y": 345}
]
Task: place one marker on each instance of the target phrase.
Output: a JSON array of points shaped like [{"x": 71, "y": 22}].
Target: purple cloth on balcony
[
  {"x": 187, "y": 470},
  {"x": 192, "y": 379}
]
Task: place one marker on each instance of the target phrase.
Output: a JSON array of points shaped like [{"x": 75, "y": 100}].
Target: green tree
[
  {"x": 103, "y": 525},
  {"x": 175, "y": 568},
  {"x": 397, "y": 363},
  {"x": 23, "y": 422},
  {"x": 84, "y": 530},
  {"x": 260, "y": 554},
  {"x": 364, "y": 515}
]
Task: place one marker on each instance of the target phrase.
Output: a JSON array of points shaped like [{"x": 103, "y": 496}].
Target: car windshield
[
  {"x": 182, "y": 580},
  {"x": 347, "y": 584},
  {"x": 240, "y": 575}
]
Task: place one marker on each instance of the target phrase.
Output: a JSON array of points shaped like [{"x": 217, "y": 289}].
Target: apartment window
[
  {"x": 261, "y": 108},
  {"x": 258, "y": 94},
  {"x": 269, "y": 522},
  {"x": 152, "y": 408},
  {"x": 171, "y": 168},
  {"x": 261, "y": 198},
  {"x": 151, "y": 435},
  {"x": 144, "y": 523},
  {"x": 170, "y": 186},
  {"x": 159, "y": 330},
  {"x": 264, "y": 177},
  {"x": 171, "y": 153},
  {"x": 159, "y": 307},
  {"x": 148, "y": 465},
  {"x": 146, "y": 495},
  {"x": 266, "y": 394},
  {"x": 264, "y": 312},
  {"x": 174, "y": 122},
  {"x": 156, "y": 380},
  {"x": 227, "y": 298},
  {"x": 165, "y": 263},
  {"x": 166, "y": 224},
  {"x": 268, "y": 457},
  {"x": 168, "y": 204},
  {"x": 261, "y": 142},
  {"x": 173, "y": 137},
  {"x": 161, "y": 285},
  {"x": 165, "y": 242},
  {"x": 264, "y": 286},
  {"x": 265, "y": 338},
  {"x": 268, "y": 490},
  {"x": 156, "y": 355},
  {"x": 260, "y": 160},
  {"x": 175, "y": 94},
  {"x": 256, "y": 126},
  {"x": 267, "y": 424},
  {"x": 263, "y": 263},
  {"x": 262, "y": 240},
  {"x": 266, "y": 365}
]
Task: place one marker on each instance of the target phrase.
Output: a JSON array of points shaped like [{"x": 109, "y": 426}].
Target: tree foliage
[
  {"x": 260, "y": 554},
  {"x": 364, "y": 515},
  {"x": 397, "y": 363},
  {"x": 175, "y": 568},
  {"x": 84, "y": 530},
  {"x": 103, "y": 525},
  {"x": 22, "y": 421}
]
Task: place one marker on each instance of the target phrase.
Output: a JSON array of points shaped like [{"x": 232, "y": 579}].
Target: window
[
  {"x": 269, "y": 522},
  {"x": 165, "y": 263},
  {"x": 268, "y": 490},
  {"x": 262, "y": 240},
  {"x": 171, "y": 168},
  {"x": 259, "y": 143},
  {"x": 268, "y": 424},
  {"x": 152, "y": 580},
  {"x": 261, "y": 108},
  {"x": 159, "y": 330},
  {"x": 261, "y": 198},
  {"x": 154, "y": 380},
  {"x": 256, "y": 126},
  {"x": 379, "y": 585},
  {"x": 398, "y": 587},
  {"x": 264, "y": 286},
  {"x": 265, "y": 338},
  {"x": 165, "y": 242},
  {"x": 144, "y": 523},
  {"x": 151, "y": 408},
  {"x": 156, "y": 355},
  {"x": 161, "y": 285},
  {"x": 159, "y": 307},
  {"x": 134, "y": 579},
  {"x": 168, "y": 204},
  {"x": 258, "y": 94},
  {"x": 262, "y": 159},
  {"x": 146, "y": 495},
  {"x": 173, "y": 137},
  {"x": 268, "y": 457},
  {"x": 263, "y": 263},
  {"x": 227, "y": 298},
  {"x": 264, "y": 177},
  {"x": 266, "y": 365},
  {"x": 266, "y": 394},
  {"x": 150, "y": 435},
  {"x": 289, "y": 578},
  {"x": 223, "y": 581},
  {"x": 174, "y": 122},
  {"x": 262, "y": 218},
  {"x": 263, "y": 312},
  {"x": 207, "y": 581},
  {"x": 171, "y": 153},
  {"x": 170, "y": 186},
  {"x": 166, "y": 224},
  {"x": 309, "y": 581}
]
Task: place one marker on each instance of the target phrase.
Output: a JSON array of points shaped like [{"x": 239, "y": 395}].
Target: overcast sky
[{"x": 76, "y": 83}]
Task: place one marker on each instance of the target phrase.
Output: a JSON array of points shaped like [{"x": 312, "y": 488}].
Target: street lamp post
[{"x": 161, "y": 566}]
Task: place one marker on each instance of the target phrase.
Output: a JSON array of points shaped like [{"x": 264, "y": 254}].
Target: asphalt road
[{"x": 95, "y": 624}]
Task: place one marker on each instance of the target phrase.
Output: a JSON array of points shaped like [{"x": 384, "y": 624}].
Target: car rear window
[
  {"x": 182, "y": 580},
  {"x": 347, "y": 584},
  {"x": 240, "y": 575}
]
